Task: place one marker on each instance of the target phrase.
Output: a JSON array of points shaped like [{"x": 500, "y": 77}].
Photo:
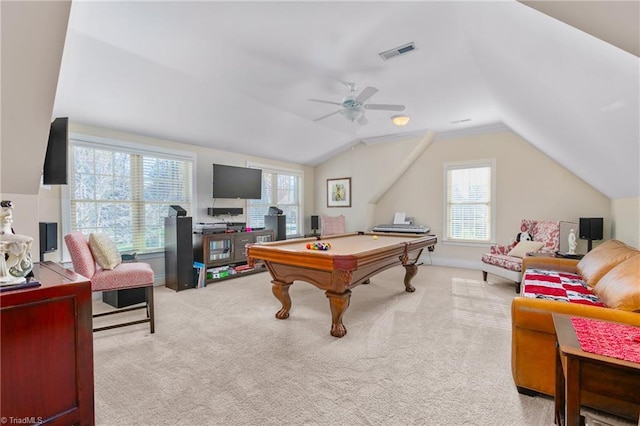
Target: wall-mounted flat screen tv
[{"x": 237, "y": 182}]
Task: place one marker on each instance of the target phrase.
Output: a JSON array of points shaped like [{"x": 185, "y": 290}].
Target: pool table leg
[
  {"x": 339, "y": 302},
  {"x": 410, "y": 271},
  {"x": 281, "y": 292}
]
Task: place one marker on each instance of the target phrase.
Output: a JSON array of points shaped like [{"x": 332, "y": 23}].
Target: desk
[
  {"x": 352, "y": 259},
  {"x": 578, "y": 371},
  {"x": 47, "y": 350}
]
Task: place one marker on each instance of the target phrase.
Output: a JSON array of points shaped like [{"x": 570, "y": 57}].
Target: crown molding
[
  {"x": 373, "y": 140},
  {"x": 472, "y": 131},
  {"x": 469, "y": 131}
]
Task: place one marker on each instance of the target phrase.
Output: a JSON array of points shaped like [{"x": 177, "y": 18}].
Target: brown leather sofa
[{"x": 612, "y": 272}]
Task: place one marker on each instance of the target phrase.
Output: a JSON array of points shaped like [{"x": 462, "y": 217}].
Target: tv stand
[{"x": 227, "y": 249}]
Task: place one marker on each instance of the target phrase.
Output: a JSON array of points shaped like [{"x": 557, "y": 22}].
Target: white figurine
[
  {"x": 15, "y": 255},
  {"x": 572, "y": 242}
]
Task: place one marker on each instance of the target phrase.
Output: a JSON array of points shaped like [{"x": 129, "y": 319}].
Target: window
[
  {"x": 125, "y": 191},
  {"x": 280, "y": 188},
  {"x": 469, "y": 188}
]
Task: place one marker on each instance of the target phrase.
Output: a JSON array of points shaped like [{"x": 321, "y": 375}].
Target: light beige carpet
[{"x": 439, "y": 356}]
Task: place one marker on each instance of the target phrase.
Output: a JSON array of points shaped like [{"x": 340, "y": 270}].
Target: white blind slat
[
  {"x": 125, "y": 194},
  {"x": 469, "y": 202}
]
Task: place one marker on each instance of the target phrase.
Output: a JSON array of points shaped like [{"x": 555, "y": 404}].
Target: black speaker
[
  {"x": 177, "y": 211},
  {"x": 54, "y": 171},
  {"x": 48, "y": 237},
  {"x": 178, "y": 252},
  {"x": 278, "y": 224},
  {"x": 315, "y": 223},
  {"x": 591, "y": 228},
  {"x": 231, "y": 211}
]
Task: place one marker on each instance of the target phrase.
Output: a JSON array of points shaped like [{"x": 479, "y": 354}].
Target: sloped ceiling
[
  {"x": 236, "y": 76},
  {"x": 33, "y": 35}
]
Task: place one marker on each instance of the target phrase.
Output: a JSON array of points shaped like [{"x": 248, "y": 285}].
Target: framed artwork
[{"x": 339, "y": 192}]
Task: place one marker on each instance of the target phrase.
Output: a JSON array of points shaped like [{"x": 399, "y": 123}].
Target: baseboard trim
[{"x": 453, "y": 262}]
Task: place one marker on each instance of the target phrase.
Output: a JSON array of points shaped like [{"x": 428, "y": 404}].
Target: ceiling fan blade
[
  {"x": 368, "y": 92},
  {"x": 385, "y": 107},
  {"x": 328, "y": 115},
  {"x": 325, "y": 102},
  {"x": 362, "y": 120}
]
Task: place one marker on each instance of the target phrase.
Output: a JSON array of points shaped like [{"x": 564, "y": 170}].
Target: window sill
[{"x": 459, "y": 243}]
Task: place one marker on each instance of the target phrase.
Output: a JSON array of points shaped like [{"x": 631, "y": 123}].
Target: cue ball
[{"x": 375, "y": 237}]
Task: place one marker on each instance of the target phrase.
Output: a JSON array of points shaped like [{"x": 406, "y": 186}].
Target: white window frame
[
  {"x": 283, "y": 170},
  {"x": 130, "y": 147},
  {"x": 457, "y": 165}
]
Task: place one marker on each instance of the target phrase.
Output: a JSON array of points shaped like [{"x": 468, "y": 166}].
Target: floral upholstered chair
[{"x": 506, "y": 261}]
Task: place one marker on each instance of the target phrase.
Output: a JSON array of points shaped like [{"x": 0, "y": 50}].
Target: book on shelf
[{"x": 201, "y": 274}]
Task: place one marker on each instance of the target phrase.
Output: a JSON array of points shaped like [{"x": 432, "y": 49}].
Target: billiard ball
[{"x": 375, "y": 237}]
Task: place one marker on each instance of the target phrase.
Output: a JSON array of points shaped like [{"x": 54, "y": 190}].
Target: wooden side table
[{"x": 577, "y": 370}]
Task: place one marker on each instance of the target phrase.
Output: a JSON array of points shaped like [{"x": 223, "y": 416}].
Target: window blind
[
  {"x": 126, "y": 193},
  {"x": 280, "y": 188},
  {"x": 469, "y": 202}
]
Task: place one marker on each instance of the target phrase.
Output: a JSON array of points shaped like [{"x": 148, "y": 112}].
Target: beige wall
[
  {"x": 49, "y": 206},
  {"x": 372, "y": 169},
  {"x": 33, "y": 36},
  {"x": 205, "y": 158},
  {"x": 625, "y": 214},
  {"x": 529, "y": 185}
]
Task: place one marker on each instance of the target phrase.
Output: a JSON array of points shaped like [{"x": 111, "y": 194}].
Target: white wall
[{"x": 529, "y": 186}]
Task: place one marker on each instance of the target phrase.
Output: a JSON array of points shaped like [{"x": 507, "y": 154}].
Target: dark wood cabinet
[
  {"x": 46, "y": 362},
  {"x": 226, "y": 249}
]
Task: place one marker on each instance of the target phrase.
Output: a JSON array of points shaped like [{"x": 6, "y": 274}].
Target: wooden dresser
[{"x": 46, "y": 352}]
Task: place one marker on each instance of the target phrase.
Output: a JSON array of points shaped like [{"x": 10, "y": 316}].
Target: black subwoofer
[{"x": 48, "y": 238}]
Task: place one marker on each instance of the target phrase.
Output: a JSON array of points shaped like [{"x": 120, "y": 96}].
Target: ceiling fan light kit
[
  {"x": 400, "y": 120},
  {"x": 353, "y": 106}
]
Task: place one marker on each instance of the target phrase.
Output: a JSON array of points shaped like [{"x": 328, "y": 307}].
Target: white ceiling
[{"x": 236, "y": 76}]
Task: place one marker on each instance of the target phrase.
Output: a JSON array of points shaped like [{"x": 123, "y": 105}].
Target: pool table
[{"x": 351, "y": 260}]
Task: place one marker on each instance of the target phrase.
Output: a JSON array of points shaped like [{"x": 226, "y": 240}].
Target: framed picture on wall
[{"x": 339, "y": 192}]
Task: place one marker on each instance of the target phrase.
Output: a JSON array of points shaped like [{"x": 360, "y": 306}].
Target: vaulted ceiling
[{"x": 237, "y": 76}]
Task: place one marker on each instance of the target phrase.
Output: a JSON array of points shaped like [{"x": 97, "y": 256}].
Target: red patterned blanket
[
  {"x": 554, "y": 285},
  {"x": 608, "y": 339}
]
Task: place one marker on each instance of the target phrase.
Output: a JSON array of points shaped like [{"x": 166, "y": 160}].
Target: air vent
[{"x": 400, "y": 50}]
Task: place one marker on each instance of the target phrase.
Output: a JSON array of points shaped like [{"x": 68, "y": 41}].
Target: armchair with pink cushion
[
  {"x": 500, "y": 263},
  {"x": 116, "y": 276}
]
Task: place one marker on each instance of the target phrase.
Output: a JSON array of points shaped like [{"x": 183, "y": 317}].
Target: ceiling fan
[{"x": 353, "y": 106}]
